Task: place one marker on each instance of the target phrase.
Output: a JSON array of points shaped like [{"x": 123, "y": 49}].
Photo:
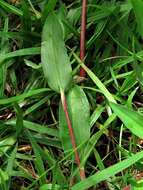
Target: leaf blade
[
  {"x": 79, "y": 112},
  {"x": 106, "y": 173},
  {"x": 132, "y": 120},
  {"x": 55, "y": 61}
]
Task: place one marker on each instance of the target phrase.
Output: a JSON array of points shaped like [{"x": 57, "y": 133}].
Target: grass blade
[
  {"x": 132, "y": 120},
  {"x": 38, "y": 160},
  {"x": 138, "y": 9},
  {"x": 106, "y": 173}
]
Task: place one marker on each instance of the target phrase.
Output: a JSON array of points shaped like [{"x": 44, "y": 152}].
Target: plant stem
[
  {"x": 72, "y": 137},
  {"x": 82, "y": 36}
]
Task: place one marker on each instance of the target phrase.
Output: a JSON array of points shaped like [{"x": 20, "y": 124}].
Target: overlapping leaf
[{"x": 78, "y": 108}]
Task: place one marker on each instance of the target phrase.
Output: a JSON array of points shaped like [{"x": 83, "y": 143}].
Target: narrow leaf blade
[
  {"x": 106, "y": 173},
  {"x": 138, "y": 9},
  {"x": 131, "y": 119}
]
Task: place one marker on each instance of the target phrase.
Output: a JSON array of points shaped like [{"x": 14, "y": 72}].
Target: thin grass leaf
[
  {"x": 128, "y": 83},
  {"x": 96, "y": 114},
  {"x": 131, "y": 119},
  {"x": 6, "y": 144},
  {"x": 128, "y": 60},
  {"x": 3, "y": 179},
  {"x": 49, "y": 187},
  {"x": 95, "y": 79},
  {"x": 32, "y": 65},
  {"x": 48, "y": 7},
  {"x": 26, "y": 22},
  {"x": 99, "y": 160},
  {"x": 22, "y": 96},
  {"x": 138, "y": 9},
  {"x": 60, "y": 178},
  {"x": 130, "y": 98},
  {"x": 4, "y": 50},
  {"x": 94, "y": 138},
  {"x": 38, "y": 160},
  {"x": 10, "y": 165},
  {"x": 10, "y": 8},
  {"x": 37, "y": 105},
  {"x": 23, "y": 52},
  {"x": 19, "y": 119},
  {"x": 36, "y": 127},
  {"x": 109, "y": 172}
]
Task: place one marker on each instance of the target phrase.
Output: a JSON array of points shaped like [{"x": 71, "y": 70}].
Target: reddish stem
[
  {"x": 72, "y": 137},
  {"x": 82, "y": 36},
  {"x": 127, "y": 187}
]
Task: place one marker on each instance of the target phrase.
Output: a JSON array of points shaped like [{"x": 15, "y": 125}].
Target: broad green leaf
[
  {"x": 55, "y": 61},
  {"x": 79, "y": 113},
  {"x": 131, "y": 119},
  {"x": 107, "y": 173},
  {"x": 138, "y": 9}
]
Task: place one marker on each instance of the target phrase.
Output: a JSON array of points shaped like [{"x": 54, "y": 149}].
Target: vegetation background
[{"x": 59, "y": 129}]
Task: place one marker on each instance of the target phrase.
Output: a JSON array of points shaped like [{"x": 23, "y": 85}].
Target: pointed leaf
[
  {"x": 6, "y": 143},
  {"x": 38, "y": 160},
  {"x": 131, "y": 119},
  {"x": 108, "y": 172},
  {"x": 55, "y": 61},
  {"x": 138, "y": 9},
  {"x": 4, "y": 50}
]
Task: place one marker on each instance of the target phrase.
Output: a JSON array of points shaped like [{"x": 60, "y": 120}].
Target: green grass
[{"x": 41, "y": 90}]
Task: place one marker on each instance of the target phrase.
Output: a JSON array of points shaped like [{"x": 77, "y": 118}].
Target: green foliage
[
  {"x": 138, "y": 6},
  {"x": 55, "y": 61},
  {"x": 79, "y": 113},
  {"x": 39, "y": 61},
  {"x": 131, "y": 119}
]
